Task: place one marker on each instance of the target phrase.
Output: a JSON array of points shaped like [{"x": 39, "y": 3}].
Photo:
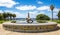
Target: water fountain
[{"x": 30, "y": 26}]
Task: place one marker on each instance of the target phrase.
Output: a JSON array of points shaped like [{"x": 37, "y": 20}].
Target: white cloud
[
  {"x": 18, "y": 14},
  {"x": 26, "y": 7},
  {"x": 56, "y": 10},
  {"x": 47, "y": 8},
  {"x": 54, "y": 15},
  {"x": 1, "y": 11},
  {"x": 43, "y": 8},
  {"x": 7, "y": 3},
  {"x": 39, "y": 2},
  {"x": 24, "y": 15},
  {"x": 35, "y": 13}
]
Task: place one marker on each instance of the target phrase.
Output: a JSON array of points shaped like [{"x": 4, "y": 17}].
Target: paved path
[{"x": 5, "y": 32}]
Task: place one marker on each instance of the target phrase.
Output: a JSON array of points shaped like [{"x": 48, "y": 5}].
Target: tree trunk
[
  {"x": 10, "y": 18},
  {"x": 52, "y": 15},
  {"x": 13, "y": 18}
]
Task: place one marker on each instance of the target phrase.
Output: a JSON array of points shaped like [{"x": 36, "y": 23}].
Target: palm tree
[
  {"x": 52, "y": 7},
  {"x": 4, "y": 15},
  {"x": 10, "y": 16},
  {"x": 1, "y": 16},
  {"x": 14, "y": 15}
]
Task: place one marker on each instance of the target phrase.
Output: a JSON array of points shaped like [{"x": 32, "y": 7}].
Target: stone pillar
[{"x": 28, "y": 16}]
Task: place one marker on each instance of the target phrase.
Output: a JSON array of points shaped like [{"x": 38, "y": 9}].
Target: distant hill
[{"x": 24, "y": 18}]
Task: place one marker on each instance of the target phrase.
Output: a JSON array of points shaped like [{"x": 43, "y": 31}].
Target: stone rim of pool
[{"x": 28, "y": 27}]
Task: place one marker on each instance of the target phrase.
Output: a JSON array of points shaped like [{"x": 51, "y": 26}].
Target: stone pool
[{"x": 30, "y": 27}]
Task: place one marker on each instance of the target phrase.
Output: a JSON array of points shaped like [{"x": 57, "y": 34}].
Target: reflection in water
[{"x": 24, "y": 22}]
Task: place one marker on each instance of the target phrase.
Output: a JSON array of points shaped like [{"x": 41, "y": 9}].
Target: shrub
[
  {"x": 58, "y": 14},
  {"x": 42, "y": 17},
  {"x": 13, "y": 21},
  {"x": 41, "y": 21},
  {"x": 58, "y": 21}
]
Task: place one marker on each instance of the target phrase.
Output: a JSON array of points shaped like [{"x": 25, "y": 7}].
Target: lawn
[
  {"x": 43, "y": 21},
  {"x": 1, "y": 21},
  {"x": 58, "y": 21}
]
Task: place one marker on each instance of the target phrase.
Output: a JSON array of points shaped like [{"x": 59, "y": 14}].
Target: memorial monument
[{"x": 29, "y": 20}]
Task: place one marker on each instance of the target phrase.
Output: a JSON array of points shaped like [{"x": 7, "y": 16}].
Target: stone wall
[{"x": 30, "y": 27}]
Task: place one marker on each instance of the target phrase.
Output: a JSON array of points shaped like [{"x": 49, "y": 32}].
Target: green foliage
[
  {"x": 13, "y": 21},
  {"x": 41, "y": 21},
  {"x": 13, "y": 15},
  {"x": 5, "y": 16},
  {"x": 58, "y": 14},
  {"x": 42, "y": 17},
  {"x": 52, "y": 7},
  {"x": 1, "y": 17}
]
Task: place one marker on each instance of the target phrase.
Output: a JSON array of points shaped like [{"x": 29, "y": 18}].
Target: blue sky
[{"x": 34, "y": 7}]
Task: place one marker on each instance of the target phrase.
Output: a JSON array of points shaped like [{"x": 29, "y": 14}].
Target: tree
[
  {"x": 42, "y": 17},
  {"x": 58, "y": 15},
  {"x": 14, "y": 15},
  {"x": 10, "y": 16},
  {"x": 4, "y": 15},
  {"x": 1, "y": 16},
  {"x": 52, "y": 7}
]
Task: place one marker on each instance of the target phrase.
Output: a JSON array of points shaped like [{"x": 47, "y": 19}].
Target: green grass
[
  {"x": 1, "y": 21},
  {"x": 41, "y": 21},
  {"x": 58, "y": 21}
]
